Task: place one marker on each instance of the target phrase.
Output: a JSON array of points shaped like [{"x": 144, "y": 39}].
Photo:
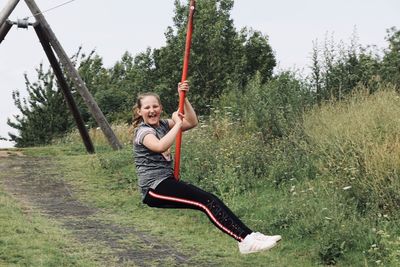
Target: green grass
[
  {"x": 330, "y": 188},
  {"x": 315, "y": 228},
  {"x": 27, "y": 239},
  {"x": 188, "y": 231},
  {"x": 358, "y": 140}
]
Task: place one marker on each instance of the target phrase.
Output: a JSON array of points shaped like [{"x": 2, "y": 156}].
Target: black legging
[{"x": 171, "y": 193}]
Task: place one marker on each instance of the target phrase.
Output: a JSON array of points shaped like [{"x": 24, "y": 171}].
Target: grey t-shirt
[{"x": 151, "y": 167}]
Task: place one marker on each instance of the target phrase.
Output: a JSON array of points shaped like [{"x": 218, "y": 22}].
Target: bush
[
  {"x": 272, "y": 109},
  {"x": 219, "y": 158}
]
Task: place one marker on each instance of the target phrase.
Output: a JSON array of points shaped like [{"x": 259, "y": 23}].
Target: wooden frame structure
[{"x": 50, "y": 43}]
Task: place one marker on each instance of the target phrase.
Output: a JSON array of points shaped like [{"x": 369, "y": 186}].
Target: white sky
[{"x": 113, "y": 27}]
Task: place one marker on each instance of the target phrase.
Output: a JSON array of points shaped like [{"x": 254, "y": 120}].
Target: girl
[{"x": 153, "y": 139}]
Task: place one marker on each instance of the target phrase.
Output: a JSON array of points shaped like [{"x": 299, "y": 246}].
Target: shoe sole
[{"x": 265, "y": 249}]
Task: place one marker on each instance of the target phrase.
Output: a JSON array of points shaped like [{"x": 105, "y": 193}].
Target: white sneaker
[
  {"x": 254, "y": 242},
  {"x": 261, "y": 236}
]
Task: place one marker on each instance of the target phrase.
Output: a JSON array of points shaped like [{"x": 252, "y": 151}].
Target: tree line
[{"x": 224, "y": 61}]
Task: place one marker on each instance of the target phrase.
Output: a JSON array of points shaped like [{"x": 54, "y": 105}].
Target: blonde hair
[{"x": 136, "y": 118}]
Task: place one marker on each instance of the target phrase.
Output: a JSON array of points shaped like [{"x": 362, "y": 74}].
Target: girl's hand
[
  {"x": 183, "y": 87},
  {"x": 177, "y": 117}
]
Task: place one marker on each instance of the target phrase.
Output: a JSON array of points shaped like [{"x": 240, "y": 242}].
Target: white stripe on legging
[{"x": 197, "y": 204}]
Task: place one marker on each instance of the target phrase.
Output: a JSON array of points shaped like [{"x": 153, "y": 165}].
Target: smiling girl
[{"x": 153, "y": 139}]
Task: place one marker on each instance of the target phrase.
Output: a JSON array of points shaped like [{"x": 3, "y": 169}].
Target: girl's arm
[
  {"x": 190, "y": 119},
  {"x": 161, "y": 145}
]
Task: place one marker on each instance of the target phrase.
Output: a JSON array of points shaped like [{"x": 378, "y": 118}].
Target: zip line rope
[
  {"x": 52, "y": 8},
  {"x": 182, "y": 96}
]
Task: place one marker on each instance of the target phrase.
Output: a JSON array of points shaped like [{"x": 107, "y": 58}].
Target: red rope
[{"x": 178, "y": 140}]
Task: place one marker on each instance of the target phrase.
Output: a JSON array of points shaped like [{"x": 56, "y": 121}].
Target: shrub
[{"x": 272, "y": 109}]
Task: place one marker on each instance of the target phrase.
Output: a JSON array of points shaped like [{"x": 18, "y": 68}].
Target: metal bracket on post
[{"x": 23, "y": 23}]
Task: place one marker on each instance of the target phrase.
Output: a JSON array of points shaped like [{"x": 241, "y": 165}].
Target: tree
[
  {"x": 316, "y": 79},
  {"x": 220, "y": 57},
  {"x": 44, "y": 114},
  {"x": 219, "y": 54},
  {"x": 258, "y": 54},
  {"x": 341, "y": 69},
  {"x": 115, "y": 89},
  {"x": 390, "y": 70},
  {"x": 108, "y": 86}
]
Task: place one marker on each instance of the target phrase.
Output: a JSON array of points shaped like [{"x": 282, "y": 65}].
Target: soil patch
[{"x": 7, "y": 153}]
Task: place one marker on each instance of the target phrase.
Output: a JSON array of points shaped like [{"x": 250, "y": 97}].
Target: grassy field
[
  {"x": 188, "y": 231},
  {"x": 29, "y": 239},
  {"x": 330, "y": 189}
]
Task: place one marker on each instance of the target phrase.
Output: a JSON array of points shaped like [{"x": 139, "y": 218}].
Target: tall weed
[{"x": 358, "y": 142}]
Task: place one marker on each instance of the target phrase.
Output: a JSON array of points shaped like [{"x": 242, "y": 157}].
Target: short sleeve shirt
[{"x": 151, "y": 167}]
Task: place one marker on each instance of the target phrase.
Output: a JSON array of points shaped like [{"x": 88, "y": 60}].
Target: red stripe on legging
[{"x": 197, "y": 204}]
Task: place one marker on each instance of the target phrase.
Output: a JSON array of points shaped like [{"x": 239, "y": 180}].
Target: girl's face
[{"x": 150, "y": 110}]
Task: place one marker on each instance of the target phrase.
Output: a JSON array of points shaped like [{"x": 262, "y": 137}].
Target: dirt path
[{"x": 35, "y": 184}]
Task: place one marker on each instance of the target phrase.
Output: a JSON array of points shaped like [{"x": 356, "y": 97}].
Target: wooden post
[
  {"x": 75, "y": 77},
  {"x": 6, "y": 11},
  {"x": 64, "y": 87},
  {"x": 4, "y": 29}
]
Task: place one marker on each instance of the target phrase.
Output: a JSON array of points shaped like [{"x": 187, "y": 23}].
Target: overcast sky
[{"x": 113, "y": 27}]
